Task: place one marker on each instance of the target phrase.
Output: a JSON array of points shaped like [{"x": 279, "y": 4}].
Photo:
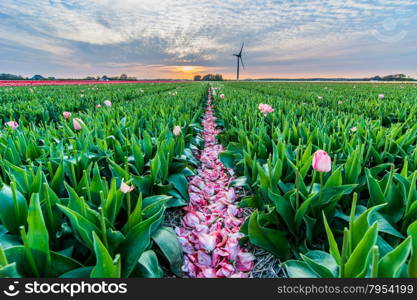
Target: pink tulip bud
[
  {"x": 77, "y": 123},
  {"x": 98, "y": 105},
  {"x": 354, "y": 129},
  {"x": 322, "y": 161},
  {"x": 177, "y": 130},
  {"x": 12, "y": 124},
  {"x": 221, "y": 96},
  {"x": 381, "y": 96},
  {"x": 66, "y": 114},
  {"x": 107, "y": 103},
  {"x": 124, "y": 188}
]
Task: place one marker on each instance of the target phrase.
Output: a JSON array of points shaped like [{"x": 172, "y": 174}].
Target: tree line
[{"x": 209, "y": 77}]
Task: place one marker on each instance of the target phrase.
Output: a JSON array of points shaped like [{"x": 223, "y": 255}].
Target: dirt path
[{"x": 209, "y": 233}]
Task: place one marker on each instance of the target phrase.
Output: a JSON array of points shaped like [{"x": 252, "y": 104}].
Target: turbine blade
[
  {"x": 241, "y": 60},
  {"x": 241, "y": 49}
]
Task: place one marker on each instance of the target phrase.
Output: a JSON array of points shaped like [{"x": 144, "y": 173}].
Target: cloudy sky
[{"x": 179, "y": 38}]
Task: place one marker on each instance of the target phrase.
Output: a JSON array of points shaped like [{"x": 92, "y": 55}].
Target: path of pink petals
[{"x": 209, "y": 231}]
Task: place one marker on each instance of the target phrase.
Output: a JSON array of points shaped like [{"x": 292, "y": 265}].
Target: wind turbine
[{"x": 239, "y": 60}]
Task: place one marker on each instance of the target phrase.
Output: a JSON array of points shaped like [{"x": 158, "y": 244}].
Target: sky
[{"x": 179, "y": 38}]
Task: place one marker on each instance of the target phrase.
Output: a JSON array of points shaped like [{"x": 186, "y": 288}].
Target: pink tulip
[
  {"x": 66, "y": 114},
  {"x": 12, "y": 124},
  {"x": 265, "y": 109},
  {"x": 354, "y": 129},
  {"x": 381, "y": 96},
  {"x": 124, "y": 188},
  {"x": 77, "y": 123},
  {"x": 221, "y": 96},
  {"x": 107, "y": 103},
  {"x": 177, "y": 130},
  {"x": 322, "y": 161}
]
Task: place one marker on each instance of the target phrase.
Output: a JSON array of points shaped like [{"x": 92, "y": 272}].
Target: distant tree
[
  {"x": 123, "y": 77},
  {"x": 207, "y": 77},
  {"x": 218, "y": 77},
  {"x": 213, "y": 77},
  {"x": 395, "y": 77},
  {"x": 51, "y": 78},
  {"x": 197, "y": 77},
  {"x": 37, "y": 77},
  {"x": 4, "y": 76}
]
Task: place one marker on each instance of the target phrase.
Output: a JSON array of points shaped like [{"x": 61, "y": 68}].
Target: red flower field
[{"x": 72, "y": 82}]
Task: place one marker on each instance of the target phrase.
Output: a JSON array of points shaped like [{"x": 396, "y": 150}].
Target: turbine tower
[{"x": 239, "y": 60}]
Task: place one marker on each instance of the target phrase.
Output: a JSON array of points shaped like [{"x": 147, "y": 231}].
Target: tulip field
[
  {"x": 331, "y": 174},
  {"x": 87, "y": 173},
  {"x": 13, "y": 83},
  {"x": 196, "y": 179}
]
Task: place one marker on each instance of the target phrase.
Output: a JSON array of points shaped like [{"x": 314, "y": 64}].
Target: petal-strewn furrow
[{"x": 209, "y": 233}]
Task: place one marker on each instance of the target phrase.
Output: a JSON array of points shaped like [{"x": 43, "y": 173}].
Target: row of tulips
[
  {"x": 331, "y": 172},
  {"x": 83, "y": 194}
]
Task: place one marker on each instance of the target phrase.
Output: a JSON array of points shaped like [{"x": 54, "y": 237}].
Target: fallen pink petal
[{"x": 209, "y": 234}]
